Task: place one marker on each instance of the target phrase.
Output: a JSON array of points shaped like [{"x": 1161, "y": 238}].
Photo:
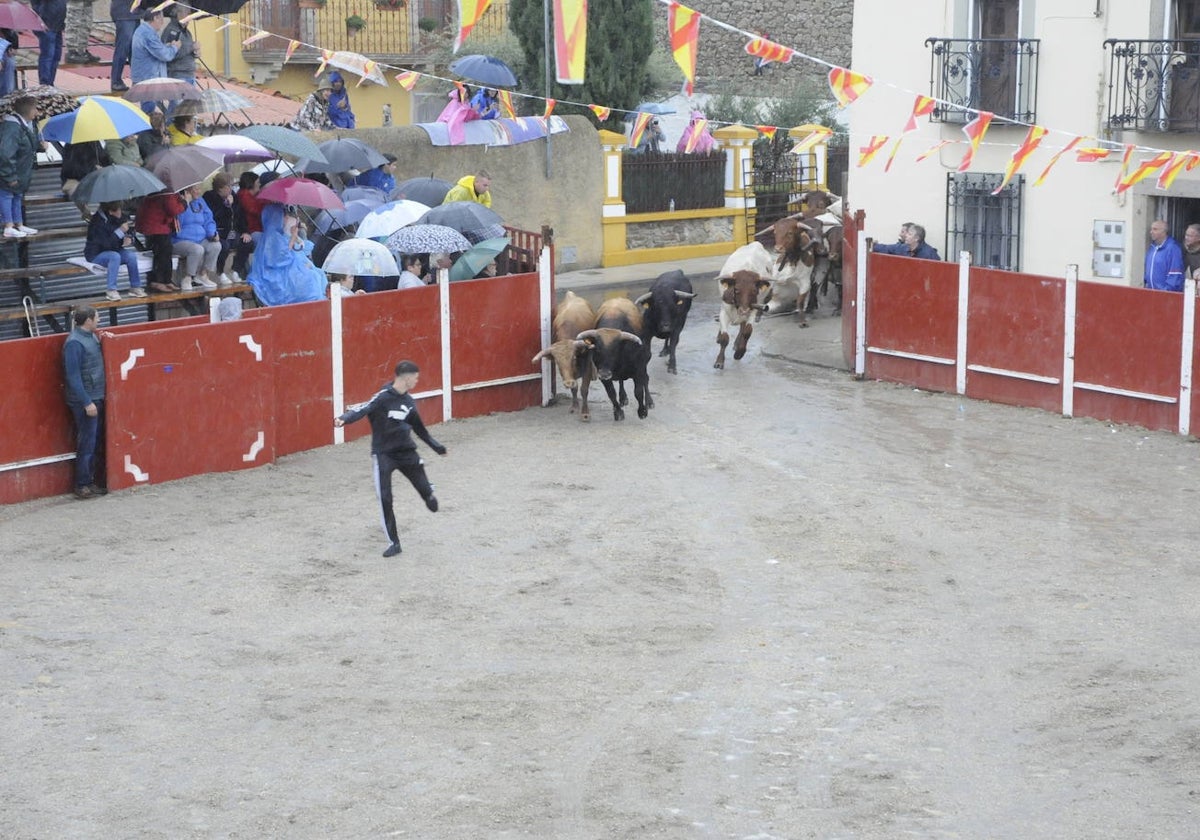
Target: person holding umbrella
[
  {"x": 19, "y": 144},
  {"x": 108, "y": 239},
  {"x": 282, "y": 272},
  {"x": 149, "y": 54}
]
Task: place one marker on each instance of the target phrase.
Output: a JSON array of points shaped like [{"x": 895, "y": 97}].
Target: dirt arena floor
[{"x": 787, "y": 605}]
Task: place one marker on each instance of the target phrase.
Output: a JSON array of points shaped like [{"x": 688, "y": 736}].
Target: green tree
[
  {"x": 807, "y": 104},
  {"x": 620, "y": 40}
]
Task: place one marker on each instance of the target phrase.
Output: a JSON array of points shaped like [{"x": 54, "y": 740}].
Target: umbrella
[
  {"x": 656, "y": 108},
  {"x": 20, "y": 17},
  {"x": 469, "y": 218},
  {"x": 98, "y": 118},
  {"x": 51, "y": 100},
  {"x": 236, "y": 148},
  {"x": 485, "y": 69},
  {"x": 217, "y": 7},
  {"x": 355, "y": 193},
  {"x": 429, "y": 191},
  {"x": 477, "y": 259},
  {"x": 279, "y": 167},
  {"x": 352, "y": 214},
  {"x": 286, "y": 141},
  {"x": 160, "y": 89},
  {"x": 212, "y": 101},
  {"x": 180, "y": 167},
  {"x": 389, "y": 218},
  {"x": 358, "y": 64},
  {"x": 425, "y": 239},
  {"x": 118, "y": 182},
  {"x": 302, "y": 191},
  {"x": 361, "y": 257},
  {"x": 345, "y": 154}
]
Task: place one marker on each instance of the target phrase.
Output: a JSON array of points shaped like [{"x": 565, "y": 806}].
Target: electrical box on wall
[{"x": 1108, "y": 248}]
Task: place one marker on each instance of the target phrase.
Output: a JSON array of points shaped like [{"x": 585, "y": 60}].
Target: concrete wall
[{"x": 569, "y": 200}]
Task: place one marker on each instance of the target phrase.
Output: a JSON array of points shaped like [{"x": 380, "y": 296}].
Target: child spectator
[
  {"x": 108, "y": 241},
  {"x": 19, "y": 145},
  {"x": 156, "y": 220},
  {"x": 196, "y": 241},
  {"x": 220, "y": 201},
  {"x": 410, "y": 277},
  {"x": 247, "y": 222},
  {"x": 343, "y": 284}
]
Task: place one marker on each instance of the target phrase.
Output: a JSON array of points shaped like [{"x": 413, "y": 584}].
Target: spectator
[
  {"x": 108, "y": 244},
  {"x": 282, "y": 272},
  {"x": 652, "y": 138},
  {"x": 156, "y": 220},
  {"x": 457, "y": 112},
  {"x": 148, "y": 53},
  {"x": 1164, "y": 261},
  {"x": 339, "y": 102},
  {"x": 183, "y": 65},
  {"x": 125, "y": 21},
  {"x": 382, "y": 177},
  {"x": 19, "y": 145},
  {"x": 220, "y": 202},
  {"x": 247, "y": 222},
  {"x": 486, "y": 104},
  {"x": 79, "y": 25},
  {"x": 475, "y": 188},
  {"x": 83, "y": 370},
  {"x": 1191, "y": 250},
  {"x": 183, "y": 131},
  {"x": 78, "y": 161},
  {"x": 50, "y": 41},
  {"x": 314, "y": 113},
  {"x": 697, "y": 128},
  {"x": 914, "y": 244},
  {"x": 154, "y": 138},
  {"x": 8, "y": 64},
  {"x": 343, "y": 284},
  {"x": 196, "y": 242},
  {"x": 410, "y": 275},
  {"x": 126, "y": 150}
]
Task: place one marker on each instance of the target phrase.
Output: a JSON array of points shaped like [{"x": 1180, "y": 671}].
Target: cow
[
  {"x": 618, "y": 352},
  {"x": 665, "y": 309},
  {"x": 786, "y": 259},
  {"x": 570, "y": 355},
  {"x": 739, "y": 301}
]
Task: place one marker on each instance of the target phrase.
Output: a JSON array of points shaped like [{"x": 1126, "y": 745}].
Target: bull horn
[
  {"x": 761, "y": 307},
  {"x": 580, "y": 345},
  {"x": 685, "y": 295},
  {"x": 644, "y": 298},
  {"x": 588, "y": 335},
  {"x": 543, "y": 354},
  {"x": 628, "y": 336}
]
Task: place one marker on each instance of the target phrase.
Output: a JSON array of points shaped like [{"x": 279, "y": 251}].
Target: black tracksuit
[{"x": 394, "y": 418}]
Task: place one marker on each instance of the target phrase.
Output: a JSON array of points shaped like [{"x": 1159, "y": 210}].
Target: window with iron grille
[{"x": 989, "y": 226}]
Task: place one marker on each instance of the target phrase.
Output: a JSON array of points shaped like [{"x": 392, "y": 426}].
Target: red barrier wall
[
  {"x": 1015, "y": 322},
  {"x": 851, "y": 225},
  {"x": 912, "y": 306},
  {"x": 34, "y": 420}
]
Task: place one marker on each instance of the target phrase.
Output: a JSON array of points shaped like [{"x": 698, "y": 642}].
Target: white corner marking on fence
[
  {"x": 251, "y": 345},
  {"x": 133, "y": 470},
  {"x": 256, "y": 447},
  {"x": 127, "y": 365}
]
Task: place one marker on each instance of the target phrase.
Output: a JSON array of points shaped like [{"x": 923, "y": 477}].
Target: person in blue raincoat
[
  {"x": 339, "y": 103},
  {"x": 282, "y": 271},
  {"x": 486, "y": 103}
]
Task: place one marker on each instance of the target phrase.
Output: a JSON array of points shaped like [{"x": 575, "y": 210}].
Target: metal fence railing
[
  {"x": 654, "y": 182},
  {"x": 1154, "y": 85}
]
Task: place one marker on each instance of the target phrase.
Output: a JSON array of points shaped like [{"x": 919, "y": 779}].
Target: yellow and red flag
[
  {"x": 291, "y": 48},
  {"x": 1179, "y": 162},
  {"x": 601, "y": 112},
  {"x": 228, "y": 23},
  {"x": 469, "y": 13},
  {"x": 847, "y": 85},
  {"x": 767, "y": 131},
  {"x": 639, "y": 128},
  {"x": 1054, "y": 159},
  {"x": 570, "y": 40},
  {"x": 1144, "y": 170},
  {"x": 326, "y": 55},
  {"x": 193, "y": 16},
  {"x": 550, "y": 103},
  {"x": 770, "y": 51},
  {"x": 934, "y": 149},
  {"x": 867, "y": 152},
  {"x": 1033, "y": 139},
  {"x": 506, "y": 105},
  {"x": 816, "y": 134},
  {"x": 683, "y": 25},
  {"x": 1128, "y": 156},
  {"x": 367, "y": 71},
  {"x": 922, "y": 107},
  {"x": 1091, "y": 154},
  {"x": 975, "y": 130},
  {"x": 163, "y": 5},
  {"x": 257, "y": 36},
  {"x": 408, "y": 79},
  {"x": 697, "y": 129}
]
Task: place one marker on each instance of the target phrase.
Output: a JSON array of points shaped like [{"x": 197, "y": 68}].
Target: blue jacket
[
  {"x": 924, "y": 251},
  {"x": 339, "y": 104},
  {"x": 149, "y": 54},
  {"x": 102, "y": 234},
  {"x": 1164, "y": 266},
  {"x": 83, "y": 368},
  {"x": 196, "y": 223},
  {"x": 378, "y": 179},
  {"x": 486, "y": 105},
  {"x": 52, "y": 12}
]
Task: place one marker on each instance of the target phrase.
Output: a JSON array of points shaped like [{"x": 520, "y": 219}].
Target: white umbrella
[
  {"x": 388, "y": 218},
  {"x": 361, "y": 257}
]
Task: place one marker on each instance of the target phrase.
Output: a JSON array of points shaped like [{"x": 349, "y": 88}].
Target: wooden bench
[{"x": 193, "y": 302}]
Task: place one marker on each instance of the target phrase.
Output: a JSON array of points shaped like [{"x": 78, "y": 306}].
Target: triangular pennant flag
[
  {"x": 683, "y": 25},
  {"x": 193, "y": 16},
  {"x": 816, "y": 134},
  {"x": 228, "y": 23},
  {"x": 291, "y": 48},
  {"x": 367, "y": 71},
  {"x": 163, "y": 5},
  {"x": 506, "y": 104},
  {"x": 550, "y": 103},
  {"x": 1125, "y": 159},
  {"x": 570, "y": 40},
  {"x": 1054, "y": 159},
  {"x": 847, "y": 85},
  {"x": 601, "y": 112},
  {"x": 408, "y": 79},
  {"x": 1171, "y": 171},
  {"x": 934, "y": 149},
  {"x": 867, "y": 152},
  {"x": 770, "y": 51},
  {"x": 469, "y": 13},
  {"x": 257, "y": 36},
  {"x": 326, "y": 56},
  {"x": 1033, "y": 138},
  {"x": 136, "y": 3},
  {"x": 887, "y": 167},
  {"x": 767, "y": 131},
  {"x": 923, "y": 107},
  {"x": 1091, "y": 154},
  {"x": 639, "y": 128},
  {"x": 975, "y": 130},
  {"x": 697, "y": 130},
  {"x": 1144, "y": 170}
]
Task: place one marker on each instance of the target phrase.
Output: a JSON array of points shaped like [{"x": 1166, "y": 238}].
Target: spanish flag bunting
[
  {"x": 887, "y": 167},
  {"x": 694, "y": 138},
  {"x": 867, "y": 152},
  {"x": 1144, "y": 170},
  {"x": 683, "y": 24},
  {"x": 408, "y": 79},
  {"x": 923, "y": 107},
  {"x": 570, "y": 40},
  {"x": 194, "y": 16},
  {"x": 136, "y": 3},
  {"x": 975, "y": 130},
  {"x": 1174, "y": 166},
  {"x": 847, "y": 85},
  {"x": 639, "y": 128},
  {"x": 934, "y": 149},
  {"x": 767, "y": 131},
  {"x": 291, "y": 48},
  {"x": 367, "y": 70},
  {"x": 326, "y": 55},
  {"x": 550, "y": 103},
  {"x": 816, "y": 134},
  {"x": 769, "y": 50},
  {"x": 228, "y": 23},
  {"x": 1125, "y": 158},
  {"x": 505, "y": 98},
  {"x": 1091, "y": 154},
  {"x": 469, "y": 13},
  {"x": 601, "y": 112},
  {"x": 1033, "y": 138},
  {"x": 1054, "y": 159},
  {"x": 257, "y": 36},
  {"x": 163, "y": 5}
]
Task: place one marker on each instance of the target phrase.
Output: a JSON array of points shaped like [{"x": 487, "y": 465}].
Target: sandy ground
[{"x": 787, "y": 605}]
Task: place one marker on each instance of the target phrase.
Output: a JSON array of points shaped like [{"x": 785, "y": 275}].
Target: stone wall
[{"x": 664, "y": 234}]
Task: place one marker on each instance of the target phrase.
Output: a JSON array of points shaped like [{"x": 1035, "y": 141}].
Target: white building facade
[{"x": 1116, "y": 71}]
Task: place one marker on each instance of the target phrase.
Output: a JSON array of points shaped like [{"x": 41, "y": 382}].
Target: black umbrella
[
  {"x": 469, "y": 218},
  {"x": 484, "y": 69},
  {"x": 344, "y": 154},
  {"x": 429, "y": 191},
  {"x": 217, "y": 7},
  {"x": 118, "y": 182}
]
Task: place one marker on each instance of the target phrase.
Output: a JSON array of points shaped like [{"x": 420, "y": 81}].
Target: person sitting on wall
[
  {"x": 457, "y": 112},
  {"x": 314, "y": 113},
  {"x": 339, "y": 102},
  {"x": 486, "y": 104},
  {"x": 914, "y": 244}
]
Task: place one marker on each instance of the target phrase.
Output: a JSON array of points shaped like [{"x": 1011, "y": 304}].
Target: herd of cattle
[{"x": 612, "y": 343}]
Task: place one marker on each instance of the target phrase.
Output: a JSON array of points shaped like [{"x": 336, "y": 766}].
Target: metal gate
[{"x": 774, "y": 188}]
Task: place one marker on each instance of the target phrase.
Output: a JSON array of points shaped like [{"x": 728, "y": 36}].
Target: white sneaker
[
  {"x": 13, "y": 232},
  {"x": 223, "y": 280},
  {"x": 236, "y": 278},
  {"x": 27, "y": 230},
  {"x": 112, "y": 294},
  {"x": 185, "y": 284},
  {"x": 204, "y": 282}
]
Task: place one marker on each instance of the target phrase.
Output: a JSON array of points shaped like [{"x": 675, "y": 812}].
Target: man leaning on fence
[{"x": 1164, "y": 261}]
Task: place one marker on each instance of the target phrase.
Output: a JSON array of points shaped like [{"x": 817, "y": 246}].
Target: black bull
[
  {"x": 665, "y": 310},
  {"x": 618, "y": 352}
]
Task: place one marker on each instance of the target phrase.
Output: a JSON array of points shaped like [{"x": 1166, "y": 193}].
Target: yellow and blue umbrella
[{"x": 98, "y": 118}]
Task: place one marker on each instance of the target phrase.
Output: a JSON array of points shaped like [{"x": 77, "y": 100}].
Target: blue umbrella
[
  {"x": 656, "y": 108},
  {"x": 484, "y": 69},
  {"x": 351, "y": 214}
]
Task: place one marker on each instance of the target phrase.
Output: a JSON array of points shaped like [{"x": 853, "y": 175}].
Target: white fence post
[
  {"x": 860, "y": 302},
  {"x": 545, "y": 286},
  {"x": 1185, "y": 356},
  {"x": 960, "y": 358},
  {"x": 336, "y": 360},
  {"x": 1068, "y": 368},
  {"x": 443, "y": 276}
]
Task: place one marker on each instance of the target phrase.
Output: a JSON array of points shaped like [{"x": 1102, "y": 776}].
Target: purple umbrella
[{"x": 236, "y": 148}]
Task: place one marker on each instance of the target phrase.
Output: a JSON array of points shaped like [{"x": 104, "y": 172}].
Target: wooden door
[{"x": 998, "y": 24}]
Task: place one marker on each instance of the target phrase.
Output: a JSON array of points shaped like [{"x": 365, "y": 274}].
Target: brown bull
[
  {"x": 570, "y": 355},
  {"x": 739, "y": 302}
]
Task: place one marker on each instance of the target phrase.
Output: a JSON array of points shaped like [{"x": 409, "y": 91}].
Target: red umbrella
[
  {"x": 302, "y": 191},
  {"x": 20, "y": 17}
]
